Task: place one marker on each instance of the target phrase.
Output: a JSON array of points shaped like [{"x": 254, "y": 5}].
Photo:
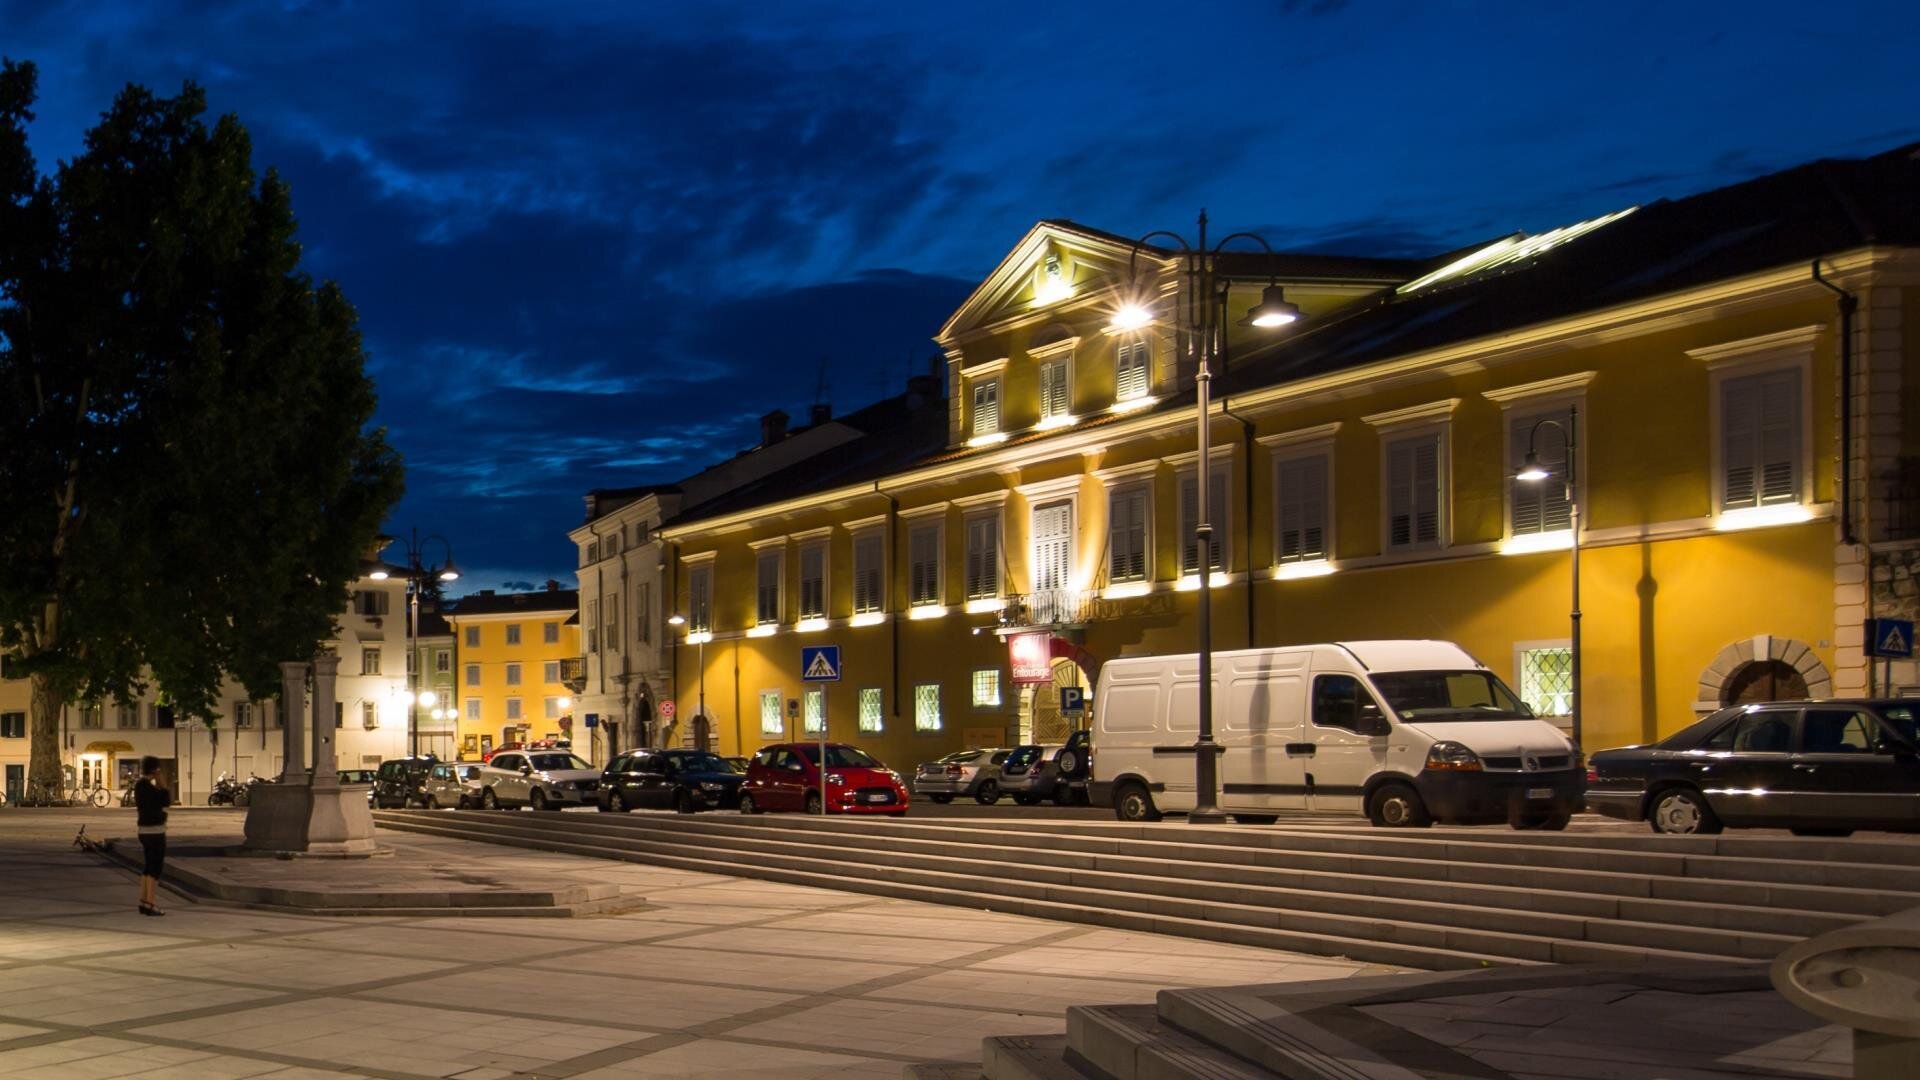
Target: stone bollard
[{"x": 1868, "y": 978}]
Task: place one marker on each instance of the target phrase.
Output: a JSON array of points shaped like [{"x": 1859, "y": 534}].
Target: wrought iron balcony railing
[
  {"x": 573, "y": 672},
  {"x": 1047, "y": 607}
]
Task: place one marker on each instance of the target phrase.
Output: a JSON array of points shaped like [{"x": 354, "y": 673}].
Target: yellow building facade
[
  {"x": 1363, "y": 471},
  {"x": 516, "y": 666}
]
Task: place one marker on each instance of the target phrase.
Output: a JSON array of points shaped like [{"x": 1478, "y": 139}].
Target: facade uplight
[{"x": 1131, "y": 317}]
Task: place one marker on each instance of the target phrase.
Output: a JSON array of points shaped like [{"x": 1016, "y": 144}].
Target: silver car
[
  {"x": 452, "y": 783},
  {"x": 542, "y": 779},
  {"x": 965, "y": 773},
  {"x": 1031, "y": 773}
]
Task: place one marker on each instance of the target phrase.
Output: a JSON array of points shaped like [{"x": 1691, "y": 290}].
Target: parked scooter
[{"x": 227, "y": 791}]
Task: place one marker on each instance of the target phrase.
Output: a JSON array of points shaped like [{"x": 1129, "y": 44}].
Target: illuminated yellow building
[
  {"x": 1363, "y": 476},
  {"x": 514, "y": 658}
]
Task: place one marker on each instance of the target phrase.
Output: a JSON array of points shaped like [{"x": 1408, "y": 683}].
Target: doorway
[
  {"x": 1766, "y": 680},
  {"x": 1041, "y": 720}
]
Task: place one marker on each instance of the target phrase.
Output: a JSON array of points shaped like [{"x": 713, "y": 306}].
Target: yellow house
[
  {"x": 1739, "y": 515},
  {"x": 516, "y": 662}
]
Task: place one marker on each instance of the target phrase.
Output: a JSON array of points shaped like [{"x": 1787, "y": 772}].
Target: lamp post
[
  {"x": 1532, "y": 471},
  {"x": 1205, "y": 332},
  {"x": 681, "y": 620},
  {"x": 419, "y": 571}
]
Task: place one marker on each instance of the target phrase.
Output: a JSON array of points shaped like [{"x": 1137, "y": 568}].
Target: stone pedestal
[{"x": 308, "y": 811}]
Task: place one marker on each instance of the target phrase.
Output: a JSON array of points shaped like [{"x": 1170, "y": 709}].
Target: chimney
[
  {"x": 773, "y": 427},
  {"x": 820, "y": 413}
]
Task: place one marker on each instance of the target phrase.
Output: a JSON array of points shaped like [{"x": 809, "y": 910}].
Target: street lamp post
[
  {"x": 1205, "y": 334},
  {"x": 418, "y": 572},
  {"x": 1532, "y": 471},
  {"x": 681, "y": 620}
]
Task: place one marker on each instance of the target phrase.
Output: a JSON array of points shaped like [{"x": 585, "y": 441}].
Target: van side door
[
  {"x": 1343, "y": 758},
  {"x": 1267, "y": 757}
]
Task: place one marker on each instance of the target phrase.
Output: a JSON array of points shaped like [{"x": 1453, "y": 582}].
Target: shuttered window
[
  {"x": 1301, "y": 501},
  {"x": 700, "y": 599},
  {"x": 1127, "y": 536},
  {"x": 767, "y": 588},
  {"x": 1190, "y": 518},
  {"x": 986, "y": 407},
  {"x": 868, "y": 595},
  {"x": 1052, "y": 546},
  {"x": 813, "y": 582},
  {"x": 1132, "y": 375},
  {"x": 1760, "y": 439},
  {"x": 923, "y": 565},
  {"x": 1540, "y": 506},
  {"x": 1053, "y": 390},
  {"x": 983, "y": 557},
  {"x": 1413, "y": 492}
]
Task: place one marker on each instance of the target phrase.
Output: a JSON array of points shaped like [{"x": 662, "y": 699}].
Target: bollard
[{"x": 1868, "y": 978}]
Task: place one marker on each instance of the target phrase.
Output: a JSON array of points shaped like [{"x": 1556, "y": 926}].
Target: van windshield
[{"x": 1426, "y": 697}]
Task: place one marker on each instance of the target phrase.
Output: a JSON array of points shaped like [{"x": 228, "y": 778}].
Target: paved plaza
[{"x": 714, "y": 977}]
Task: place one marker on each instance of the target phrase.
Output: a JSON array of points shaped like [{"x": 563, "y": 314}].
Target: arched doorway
[
  {"x": 702, "y": 734},
  {"x": 1041, "y": 720},
  {"x": 1765, "y": 680}
]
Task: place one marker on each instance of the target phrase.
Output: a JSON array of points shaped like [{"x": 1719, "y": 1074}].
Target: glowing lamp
[{"x": 1273, "y": 309}]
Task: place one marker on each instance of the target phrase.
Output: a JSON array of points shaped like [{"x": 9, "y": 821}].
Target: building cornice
[{"x": 1565, "y": 385}]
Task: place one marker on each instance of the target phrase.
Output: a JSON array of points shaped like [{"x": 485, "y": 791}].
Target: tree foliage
[{"x": 188, "y": 479}]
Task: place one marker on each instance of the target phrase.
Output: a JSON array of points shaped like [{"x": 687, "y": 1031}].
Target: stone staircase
[{"x": 1441, "y": 899}]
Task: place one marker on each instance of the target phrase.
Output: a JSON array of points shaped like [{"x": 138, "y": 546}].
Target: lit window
[
  {"x": 814, "y": 709},
  {"x": 986, "y": 688},
  {"x": 771, "y": 722},
  {"x": 1546, "y": 680},
  {"x": 1301, "y": 501},
  {"x": 1132, "y": 375},
  {"x": 1127, "y": 536},
  {"x": 986, "y": 407},
  {"x": 926, "y": 707},
  {"x": 871, "y": 711},
  {"x": 1413, "y": 492}
]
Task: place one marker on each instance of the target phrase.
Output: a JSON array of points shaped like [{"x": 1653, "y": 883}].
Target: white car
[{"x": 542, "y": 779}]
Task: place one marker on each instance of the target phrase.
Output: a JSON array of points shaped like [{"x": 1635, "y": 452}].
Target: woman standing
[{"x": 152, "y": 798}]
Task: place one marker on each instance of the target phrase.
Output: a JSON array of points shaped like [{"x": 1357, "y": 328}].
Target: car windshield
[
  {"x": 1437, "y": 696},
  {"x": 961, "y": 757},
  {"x": 551, "y": 762},
  {"x": 1901, "y": 719},
  {"x": 704, "y": 763},
  {"x": 1023, "y": 755},
  {"x": 842, "y": 757}
]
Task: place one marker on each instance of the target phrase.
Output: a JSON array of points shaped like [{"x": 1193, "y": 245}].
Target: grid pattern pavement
[{"x": 718, "y": 977}]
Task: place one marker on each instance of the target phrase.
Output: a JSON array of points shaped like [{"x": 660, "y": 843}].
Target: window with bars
[
  {"x": 1132, "y": 374},
  {"x": 1127, "y": 535},
  {"x": 869, "y": 593},
  {"x": 1539, "y": 506},
  {"x": 813, "y": 710},
  {"x": 983, "y": 557},
  {"x": 1413, "y": 492},
  {"x": 767, "y": 588},
  {"x": 1054, "y": 390},
  {"x": 1546, "y": 680},
  {"x": 986, "y": 407},
  {"x": 923, "y": 565},
  {"x": 813, "y": 582},
  {"x": 1300, "y": 500},
  {"x": 926, "y": 707},
  {"x": 771, "y": 721},
  {"x": 700, "y": 599},
  {"x": 1189, "y": 521},
  {"x": 872, "y": 711},
  {"x": 986, "y": 688},
  {"x": 1760, "y": 440}
]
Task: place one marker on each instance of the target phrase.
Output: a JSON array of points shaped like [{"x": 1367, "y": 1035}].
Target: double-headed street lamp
[
  {"x": 419, "y": 571},
  {"x": 1532, "y": 471},
  {"x": 1205, "y": 326}
]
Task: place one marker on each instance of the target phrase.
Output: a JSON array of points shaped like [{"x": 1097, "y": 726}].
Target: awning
[{"x": 109, "y": 748}]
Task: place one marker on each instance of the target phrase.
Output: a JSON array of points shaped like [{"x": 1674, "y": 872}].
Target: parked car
[
  {"x": 1820, "y": 768},
  {"x": 786, "y": 776},
  {"x": 357, "y": 776},
  {"x": 452, "y": 783},
  {"x": 1405, "y": 732},
  {"x": 542, "y": 779},
  {"x": 401, "y": 782},
  {"x": 1031, "y": 773},
  {"x": 737, "y": 764},
  {"x": 973, "y": 774},
  {"x": 686, "y": 780},
  {"x": 487, "y": 755}
]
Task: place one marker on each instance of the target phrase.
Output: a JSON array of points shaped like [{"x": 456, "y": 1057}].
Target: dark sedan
[
  {"x": 1820, "y": 768},
  {"x": 685, "y": 780}
]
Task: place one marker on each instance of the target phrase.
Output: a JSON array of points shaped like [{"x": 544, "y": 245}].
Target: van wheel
[
  {"x": 1132, "y": 802},
  {"x": 1397, "y": 806}
]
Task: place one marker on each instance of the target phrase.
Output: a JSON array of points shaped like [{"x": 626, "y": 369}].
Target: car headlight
[
  {"x": 1452, "y": 757},
  {"x": 835, "y": 778}
]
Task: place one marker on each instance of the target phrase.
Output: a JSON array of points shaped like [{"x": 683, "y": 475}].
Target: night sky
[{"x": 591, "y": 242}]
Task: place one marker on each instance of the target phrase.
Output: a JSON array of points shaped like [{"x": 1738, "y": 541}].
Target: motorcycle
[{"x": 227, "y": 791}]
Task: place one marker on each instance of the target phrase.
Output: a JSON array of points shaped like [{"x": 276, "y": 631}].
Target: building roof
[
  {"x": 489, "y": 602},
  {"x": 433, "y": 624},
  {"x": 1291, "y": 265}
]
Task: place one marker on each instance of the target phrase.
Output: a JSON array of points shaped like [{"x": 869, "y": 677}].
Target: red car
[{"x": 787, "y": 777}]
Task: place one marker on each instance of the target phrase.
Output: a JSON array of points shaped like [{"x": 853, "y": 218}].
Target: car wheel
[
  {"x": 1823, "y": 832},
  {"x": 1682, "y": 812},
  {"x": 1027, "y": 800},
  {"x": 1132, "y": 802},
  {"x": 747, "y": 805},
  {"x": 682, "y": 803},
  {"x": 1554, "y": 822},
  {"x": 1397, "y": 806},
  {"x": 616, "y": 804},
  {"x": 941, "y": 799},
  {"x": 432, "y": 801},
  {"x": 988, "y": 793},
  {"x": 488, "y": 800},
  {"x": 1062, "y": 795},
  {"x": 813, "y": 803},
  {"x": 538, "y": 800}
]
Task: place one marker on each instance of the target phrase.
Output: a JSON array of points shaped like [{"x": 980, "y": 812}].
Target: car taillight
[
  {"x": 1593, "y": 775},
  {"x": 953, "y": 770}
]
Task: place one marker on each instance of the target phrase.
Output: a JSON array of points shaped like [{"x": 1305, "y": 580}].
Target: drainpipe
[
  {"x": 893, "y": 562},
  {"x": 1246, "y": 501},
  {"x": 672, "y": 604},
  {"x": 1849, "y": 303}
]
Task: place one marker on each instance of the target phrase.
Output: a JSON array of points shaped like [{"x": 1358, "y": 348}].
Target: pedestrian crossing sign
[
  {"x": 820, "y": 663},
  {"x": 1890, "y": 638}
]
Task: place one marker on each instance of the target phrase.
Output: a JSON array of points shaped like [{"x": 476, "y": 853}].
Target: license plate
[
  {"x": 1539, "y": 793},
  {"x": 879, "y": 796}
]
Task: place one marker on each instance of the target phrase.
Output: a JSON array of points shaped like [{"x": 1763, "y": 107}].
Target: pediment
[{"x": 1054, "y": 265}]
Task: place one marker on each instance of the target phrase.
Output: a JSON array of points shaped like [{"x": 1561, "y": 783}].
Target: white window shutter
[
  {"x": 1217, "y": 514},
  {"x": 1127, "y": 537},
  {"x": 1426, "y": 501},
  {"x": 1400, "y": 494},
  {"x": 1302, "y": 509},
  {"x": 1132, "y": 374},
  {"x": 1189, "y": 519},
  {"x": 1739, "y": 437},
  {"x": 983, "y": 558},
  {"x": 1779, "y": 437},
  {"x": 986, "y": 407}
]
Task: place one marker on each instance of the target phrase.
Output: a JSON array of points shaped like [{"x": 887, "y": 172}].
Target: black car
[
  {"x": 686, "y": 780},
  {"x": 402, "y": 782},
  {"x": 1820, "y": 768}
]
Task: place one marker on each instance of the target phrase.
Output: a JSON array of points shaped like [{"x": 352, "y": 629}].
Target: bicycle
[{"x": 96, "y": 796}]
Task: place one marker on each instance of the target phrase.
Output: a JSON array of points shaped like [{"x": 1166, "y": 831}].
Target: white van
[{"x": 1405, "y": 732}]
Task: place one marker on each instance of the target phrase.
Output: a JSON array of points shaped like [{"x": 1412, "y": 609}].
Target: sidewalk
[{"x": 718, "y": 977}]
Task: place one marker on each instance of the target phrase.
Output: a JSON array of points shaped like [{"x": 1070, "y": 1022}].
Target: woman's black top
[{"x": 152, "y": 801}]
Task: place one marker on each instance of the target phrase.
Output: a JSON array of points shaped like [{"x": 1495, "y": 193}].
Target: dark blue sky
[{"x": 591, "y": 242}]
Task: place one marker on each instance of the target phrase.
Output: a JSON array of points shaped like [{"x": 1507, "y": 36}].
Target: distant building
[{"x": 516, "y": 659}]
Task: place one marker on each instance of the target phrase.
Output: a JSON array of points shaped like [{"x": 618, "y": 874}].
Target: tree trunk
[{"x": 43, "y": 759}]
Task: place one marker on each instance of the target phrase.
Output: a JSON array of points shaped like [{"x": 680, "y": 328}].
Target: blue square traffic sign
[
  {"x": 1890, "y": 638},
  {"x": 819, "y": 663}
]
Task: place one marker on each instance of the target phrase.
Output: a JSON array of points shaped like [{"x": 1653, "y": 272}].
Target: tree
[{"x": 188, "y": 479}]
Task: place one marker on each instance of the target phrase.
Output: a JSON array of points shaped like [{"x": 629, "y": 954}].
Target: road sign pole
[{"x": 823, "y": 753}]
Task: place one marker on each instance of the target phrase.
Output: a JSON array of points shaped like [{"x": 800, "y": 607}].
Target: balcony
[
  {"x": 573, "y": 673},
  {"x": 1047, "y": 607}
]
